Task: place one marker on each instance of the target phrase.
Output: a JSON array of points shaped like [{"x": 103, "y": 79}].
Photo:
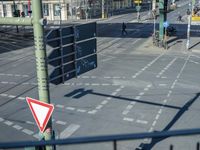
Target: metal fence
[{"x": 99, "y": 139}]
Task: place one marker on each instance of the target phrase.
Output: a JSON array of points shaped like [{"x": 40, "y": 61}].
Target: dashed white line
[
  {"x": 129, "y": 107},
  {"x": 69, "y": 131},
  {"x": 81, "y": 110},
  {"x": 104, "y": 102},
  {"x": 125, "y": 112},
  {"x": 9, "y": 123},
  {"x": 92, "y": 112},
  {"x": 29, "y": 132},
  {"x": 99, "y": 106},
  {"x": 70, "y": 108},
  {"x": 142, "y": 93},
  {"x": 1, "y": 119},
  {"x": 60, "y": 106},
  {"x": 137, "y": 97},
  {"x": 154, "y": 123},
  {"x": 142, "y": 121},
  {"x": 128, "y": 119},
  {"x": 61, "y": 122},
  {"x": 18, "y": 127}
]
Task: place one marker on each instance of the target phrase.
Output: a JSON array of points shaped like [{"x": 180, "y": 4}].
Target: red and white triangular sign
[{"x": 41, "y": 112}]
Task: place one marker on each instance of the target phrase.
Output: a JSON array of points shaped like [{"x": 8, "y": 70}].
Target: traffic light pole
[
  {"x": 161, "y": 17},
  {"x": 41, "y": 62},
  {"x": 40, "y": 53}
]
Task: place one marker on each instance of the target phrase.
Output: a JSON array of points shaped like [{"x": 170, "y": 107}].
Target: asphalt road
[{"x": 136, "y": 88}]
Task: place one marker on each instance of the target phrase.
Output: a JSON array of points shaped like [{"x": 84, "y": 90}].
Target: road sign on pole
[{"x": 41, "y": 112}]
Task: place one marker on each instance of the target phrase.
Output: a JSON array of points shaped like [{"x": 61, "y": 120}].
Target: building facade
[{"x": 70, "y": 9}]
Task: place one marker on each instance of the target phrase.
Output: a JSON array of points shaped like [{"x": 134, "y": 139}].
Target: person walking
[{"x": 124, "y": 29}]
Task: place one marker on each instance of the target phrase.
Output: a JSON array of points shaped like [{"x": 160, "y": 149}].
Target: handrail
[{"x": 98, "y": 139}]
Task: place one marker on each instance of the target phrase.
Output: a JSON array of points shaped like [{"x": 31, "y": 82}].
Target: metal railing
[{"x": 100, "y": 139}]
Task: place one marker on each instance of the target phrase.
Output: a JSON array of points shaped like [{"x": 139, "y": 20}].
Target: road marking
[
  {"x": 125, "y": 112},
  {"x": 70, "y": 108},
  {"x": 71, "y": 129},
  {"x": 9, "y": 123},
  {"x": 142, "y": 93},
  {"x": 118, "y": 90},
  {"x": 154, "y": 123},
  {"x": 92, "y": 112},
  {"x": 1, "y": 119},
  {"x": 81, "y": 110},
  {"x": 104, "y": 102},
  {"x": 60, "y": 106},
  {"x": 61, "y": 122},
  {"x": 162, "y": 84},
  {"x": 18, "y": 127},
  {"x": 29, "y": 132},
  {"x": 157, "y": 116},
  {"x": 142, "y": 121},
  {"x": 11, "y": 96},
  {"x": 128, "y": 119},
  {"x": 129, "y": 107},
  {"x": 3, "y": 94},
  {"x": 29, "y": 122},
  {"x": 114, "y": 93},
  {"x": 99, "y": 106}
]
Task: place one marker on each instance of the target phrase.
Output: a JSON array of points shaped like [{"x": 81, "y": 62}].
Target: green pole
[
  {"x": 41, "y": 62},
  {"x": 161, "y": 17}
]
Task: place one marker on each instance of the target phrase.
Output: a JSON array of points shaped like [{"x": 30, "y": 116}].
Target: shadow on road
[{"x": 78, "y": 93}]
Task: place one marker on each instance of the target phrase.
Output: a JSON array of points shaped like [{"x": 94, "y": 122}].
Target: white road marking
[
  {"x": 29, "y": 132},
  {"x": 154, "y": 123},
  {"x": 92, "y": 112},
  {"x": 114, "y": 93},
  {"x": 129, "y": 107},
  {"x": 149, "y": 85},
  {"x": 109, "y": 98},
  {"x": 125, "y": 112},
  {"x": 3, "y": 94},
  {"x": 128, "y": 119},
  {"x": 61, "y": 122},
  {"x": 162, "y": 84},
  {"x": 70, "y": 108},
  {"x": 118, "y": 90},
  {"x": 142, "y": 93},
  {"x": 133, "y": 103},
  {"x": 81, "y": 110},
  {"x": 11, "y": 96},
  {"x": 99, "y": 106},
  {"x": 60, "y": 106},
  {"x": 18, "y": 127},
  {"x": 21, "y": 98},
  {"x": 1, "y": 119},
  {"x": 142, "y": 121},
  {"x": 67, "y": 132},
  {"x": 9, "y": 123},
  {"x": 104, "y": 102},
  {"x": 29, "y": 122},
  {"x": 157, "y": 116}
]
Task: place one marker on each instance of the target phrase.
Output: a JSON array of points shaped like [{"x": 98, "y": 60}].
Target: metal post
[
  {"x": 114, "y": 145},
  {"x": 153, "y": 5},
  {"x": 171, "y": 147},
  {"x": 41, "y": 62},
  {"x": 188, "y": 29},
  {"x": 161, "y": 17},
  {"x": 29, "y": 8},
  {"x": 102, "y": 10}
]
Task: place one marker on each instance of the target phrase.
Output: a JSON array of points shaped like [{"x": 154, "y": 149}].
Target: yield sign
[{"x": 41, "y": 112}]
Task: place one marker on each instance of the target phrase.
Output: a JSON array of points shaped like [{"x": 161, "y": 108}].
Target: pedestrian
[{"x": 124, "y": 29}]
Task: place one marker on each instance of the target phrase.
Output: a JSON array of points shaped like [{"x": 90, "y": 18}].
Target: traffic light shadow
[{"x": 78, "y": 93}]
